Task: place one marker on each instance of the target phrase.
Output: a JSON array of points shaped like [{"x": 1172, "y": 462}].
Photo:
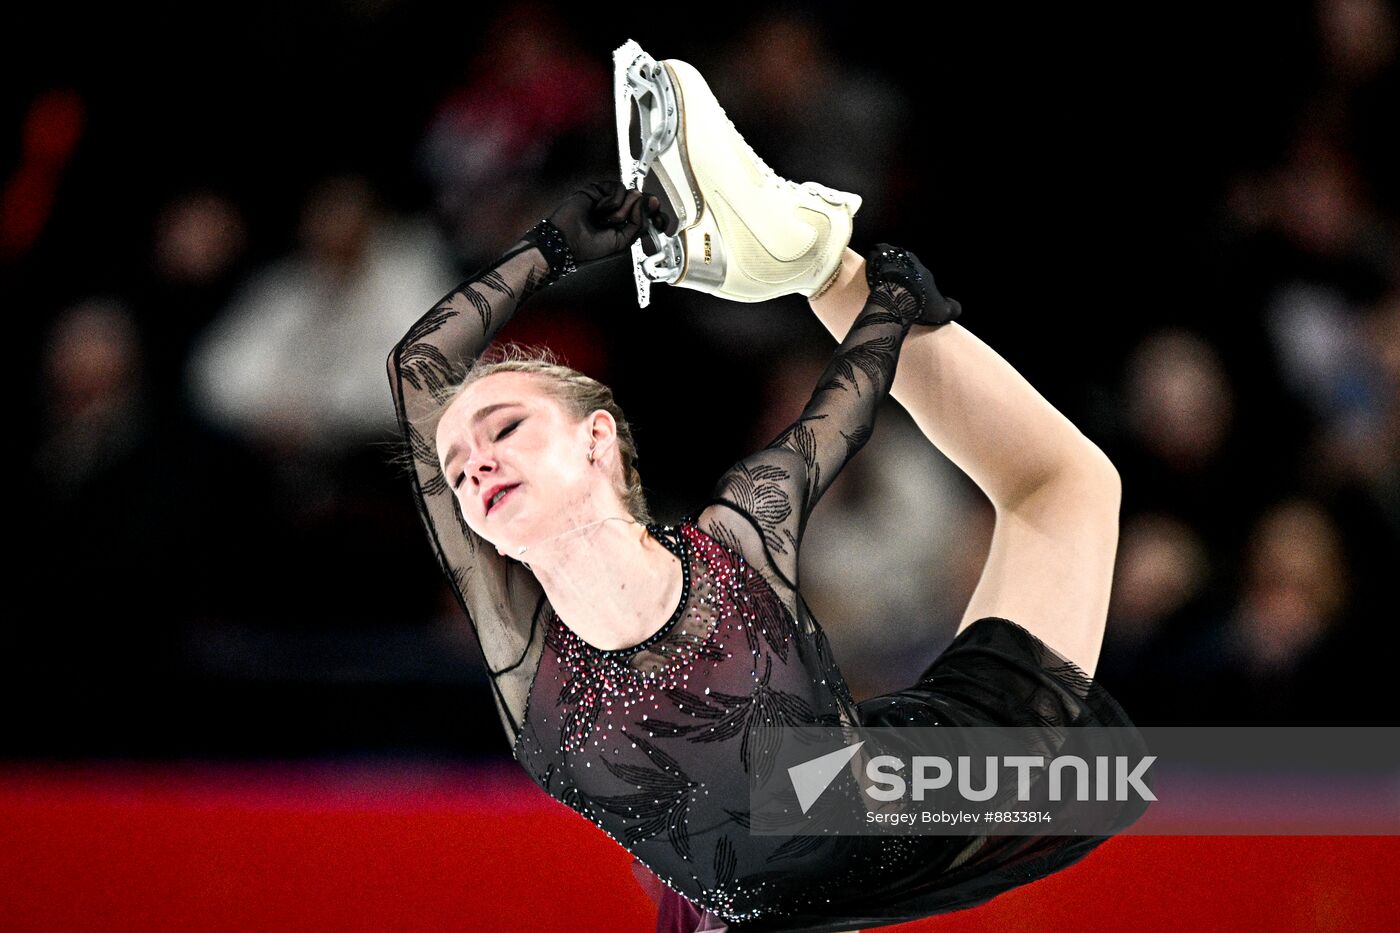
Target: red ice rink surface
[{"x": 391, "y": 847}]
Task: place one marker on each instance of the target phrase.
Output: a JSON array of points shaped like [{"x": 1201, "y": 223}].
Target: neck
[{"x": 611, "y": 582}]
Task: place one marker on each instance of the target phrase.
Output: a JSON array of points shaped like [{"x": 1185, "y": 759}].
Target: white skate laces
[{"x": 742, "y": 231}]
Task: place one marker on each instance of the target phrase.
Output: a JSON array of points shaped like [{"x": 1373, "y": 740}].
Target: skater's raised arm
[
  {"x": 777, "y": 488},
  {"x": 500, "y": 597},
  {"x": 840, "y": 417}
]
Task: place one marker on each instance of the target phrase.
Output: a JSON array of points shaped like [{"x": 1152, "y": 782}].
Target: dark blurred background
[{"x": 1179, "y": 221}]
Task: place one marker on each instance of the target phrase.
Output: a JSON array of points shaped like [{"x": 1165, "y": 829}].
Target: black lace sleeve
[
  {"x": 770, "y": 495},
  {"x": 503, "y": 601}
]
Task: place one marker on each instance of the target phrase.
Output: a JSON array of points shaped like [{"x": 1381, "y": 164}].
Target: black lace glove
[
  {"x": 900, "y": 283},
  {"x": 595, "y": 222}
]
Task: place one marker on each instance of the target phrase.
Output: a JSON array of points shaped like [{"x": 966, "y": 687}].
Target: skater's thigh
[{"x": 1050, "y": 566}]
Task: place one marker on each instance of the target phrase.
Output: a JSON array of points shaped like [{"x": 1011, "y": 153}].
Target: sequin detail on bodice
[
  {"x": 726, "y": 607},
  {"x": 656, "y": 743},
  {"x": 598, "y": 679}
]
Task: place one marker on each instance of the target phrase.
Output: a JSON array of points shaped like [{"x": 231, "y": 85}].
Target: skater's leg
[{"x": 1056, "y": 494}]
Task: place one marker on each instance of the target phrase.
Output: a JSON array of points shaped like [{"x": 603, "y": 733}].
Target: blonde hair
[{"x": 578, "y": 394}]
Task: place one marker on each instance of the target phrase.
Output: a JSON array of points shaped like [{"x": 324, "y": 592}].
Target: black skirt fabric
[{"x": 995, "y": 673}]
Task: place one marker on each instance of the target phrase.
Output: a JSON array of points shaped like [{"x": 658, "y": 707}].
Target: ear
[{"x": 602, "y": 432}]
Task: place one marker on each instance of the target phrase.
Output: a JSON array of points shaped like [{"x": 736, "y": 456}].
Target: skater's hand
[
  {"x": 899, "y": 282},
  {"x": 604, "y": 218}
]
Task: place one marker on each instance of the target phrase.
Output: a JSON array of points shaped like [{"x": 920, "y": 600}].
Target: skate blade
[{"x": 640, "y": 81}]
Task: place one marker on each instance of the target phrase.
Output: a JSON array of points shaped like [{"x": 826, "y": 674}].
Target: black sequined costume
[{"x": 654, "y": 743}]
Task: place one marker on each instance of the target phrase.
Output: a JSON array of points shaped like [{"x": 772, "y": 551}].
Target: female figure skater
[{"x": 641, "y": 669}]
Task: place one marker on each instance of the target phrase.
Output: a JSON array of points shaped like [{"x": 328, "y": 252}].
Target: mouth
[{"x": 499, "y": 497}]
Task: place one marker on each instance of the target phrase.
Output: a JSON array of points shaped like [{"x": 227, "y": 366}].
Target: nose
[{"x": 479, "y": 466}]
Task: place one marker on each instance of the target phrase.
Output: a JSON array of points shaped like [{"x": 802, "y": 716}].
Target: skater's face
[{"x": 505, "y": 432}]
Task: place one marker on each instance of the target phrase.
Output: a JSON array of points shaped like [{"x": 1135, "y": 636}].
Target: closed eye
[{"x": 461, "y": 477}]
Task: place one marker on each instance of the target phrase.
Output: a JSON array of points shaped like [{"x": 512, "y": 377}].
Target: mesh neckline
[{"x": 674, "y": 541}]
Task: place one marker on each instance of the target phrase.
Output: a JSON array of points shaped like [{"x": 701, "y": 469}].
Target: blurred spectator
[
  {"x": 1359, "y": 41},
  {"x": 297, "y": 362},
  {"x": 1179, "y": 401},
  {"x": 1316, "y": 248},
  {"x": 196, "y": 261},
  {"x": 1188, "y": 453},
  {"x": 1164, "y": 591},
  {"x": 1354, "y": 459},
  {"x": 92, "y": 392},
  {"x": 1325, "y": 354},
  {"x": 1370, "y": 444},
  {"x": 198, "y": 239},
  {"x": 531, "y": 114},
  {"x": 1295, "y": 588},
  {"x": 111, "y": 542},
  {"x": 1289, "y": 652},
  {"x": 1161, "y": 568}
]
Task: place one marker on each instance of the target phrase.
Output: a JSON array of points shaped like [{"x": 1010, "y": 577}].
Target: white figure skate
[{"x": 742, "y": 232}]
